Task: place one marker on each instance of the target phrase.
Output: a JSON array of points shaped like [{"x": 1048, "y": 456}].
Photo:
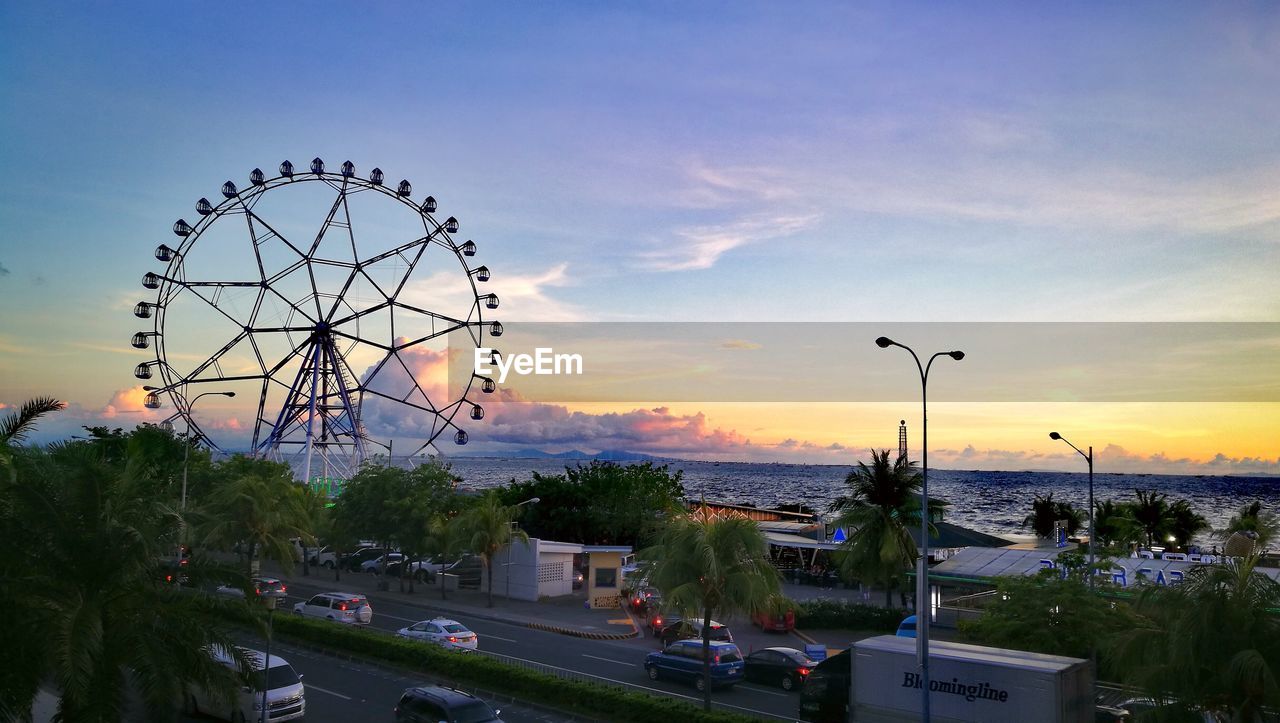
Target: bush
[
  {"x": 843, "y": 615},
  {"x": 575, "y": 696}
]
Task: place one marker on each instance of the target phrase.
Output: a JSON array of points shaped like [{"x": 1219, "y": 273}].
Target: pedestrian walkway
[{"x": 567, "y": 615}]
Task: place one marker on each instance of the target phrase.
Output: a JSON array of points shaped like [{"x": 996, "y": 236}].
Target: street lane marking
[
  {"x": 762, "y": 690},
  {"x": 495, "y": 637},
  {"x": 608, "y": 660},
  {"x": 330, "y": 692}
]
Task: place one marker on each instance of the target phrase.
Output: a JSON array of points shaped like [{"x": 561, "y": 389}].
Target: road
[
  {"x": 340, "y": 691},
  {"x": 616, "y": 661}
]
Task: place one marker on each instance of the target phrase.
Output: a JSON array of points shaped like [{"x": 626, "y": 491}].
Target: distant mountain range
[{"x": 608, "y": 455}]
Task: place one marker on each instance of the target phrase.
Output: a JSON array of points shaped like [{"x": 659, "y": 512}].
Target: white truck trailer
[{"x": 967, "y": 683}]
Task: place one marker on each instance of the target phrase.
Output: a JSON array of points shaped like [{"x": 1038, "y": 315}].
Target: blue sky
[{"x": 656, "y": 161}]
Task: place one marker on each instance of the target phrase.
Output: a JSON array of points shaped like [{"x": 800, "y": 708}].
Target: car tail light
[
  {"x": 168, "y": 578},
  {"x": 657, "y": 621},
  {"x": 283, "y": 588},
  {"x": 803, "y": 671},
  {"x": 717, "y": 660},
  {"x": 453, "y": 638},
  {"x": 343, "y": 607}
]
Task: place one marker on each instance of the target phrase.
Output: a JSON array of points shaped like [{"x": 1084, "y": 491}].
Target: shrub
[
  {"x": 844, "y": 615},
  {"x": 464, "y": 669}
]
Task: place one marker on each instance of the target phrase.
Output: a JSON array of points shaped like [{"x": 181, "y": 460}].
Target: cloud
[
  {"x": 523, "y": 296},
  {"x": 739, "y": 344},
  {"x": 129, "y": 402},
  {"x": 700, "y": 247},
  {"x": 4, "y": 271},
  {"x": 1112, "y": 459}
]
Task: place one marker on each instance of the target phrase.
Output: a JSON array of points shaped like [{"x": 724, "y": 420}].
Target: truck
[{"x": 877, "y": 680}]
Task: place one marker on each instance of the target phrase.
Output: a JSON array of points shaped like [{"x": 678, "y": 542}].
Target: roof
[
  {"x": 985, "y": 562},
  {"x": 946, "y": 650},
  {"x": 784, "y": 539},
  {"x": 951, "y": 536}
]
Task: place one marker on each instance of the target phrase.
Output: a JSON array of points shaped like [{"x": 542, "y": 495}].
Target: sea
[{"x": 992, "y": 502}]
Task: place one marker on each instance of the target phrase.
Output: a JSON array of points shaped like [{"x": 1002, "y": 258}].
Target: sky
[{"x": 661, "y": 162}]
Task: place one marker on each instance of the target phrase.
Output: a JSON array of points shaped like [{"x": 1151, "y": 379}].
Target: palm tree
[
  {"x": 15, "y": 425},
  {"x": 1251, "y": 518},
  {"x": 486, "y": 528},
  {"x": 443, "y": 537},
  {"x": 85, "y": 539},
  {"x": 258, "y": 505},
  {"x": 1184, "y": 523},
  {"x": 882, "y": 503},
  {"x": 1210, "y": 643},
  {"x": 1151, "y": 515},
  {"x": 1113, "y": 523},
  {"x": 1045, "y": 514},
  {"x": 712, "y": 565}
]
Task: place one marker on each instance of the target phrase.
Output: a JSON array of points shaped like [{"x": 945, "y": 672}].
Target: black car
[
  {"x": 786, "y": 667},
  {"x": 825, "y": 696},
  {"x": 434, "y": 703},
  {"x": 353, "y": 561},
  {"x": 468, "y": 570}
]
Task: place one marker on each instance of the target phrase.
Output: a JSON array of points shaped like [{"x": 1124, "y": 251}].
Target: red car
[{"x": 776, "y": 622}]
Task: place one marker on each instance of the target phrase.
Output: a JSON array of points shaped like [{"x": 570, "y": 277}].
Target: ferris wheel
[{"x": 331, "y": 301}]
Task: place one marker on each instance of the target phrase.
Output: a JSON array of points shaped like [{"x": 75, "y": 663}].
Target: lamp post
[
  {"x": 1088, "y": 458},
  {"x": 923, "y": 602},
  {"x": 186, "y": 455},
  {"x": 1093, "y": 650},
  {"x": 266, "y": 659},
  {"x": 507, "y": 565}
]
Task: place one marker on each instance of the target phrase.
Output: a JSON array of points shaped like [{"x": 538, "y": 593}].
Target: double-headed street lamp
[
  {"x": 923, "y": 602},
  {"x": 1088, "y": 458}
]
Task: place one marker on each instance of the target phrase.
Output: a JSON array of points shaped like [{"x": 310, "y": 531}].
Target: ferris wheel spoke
[
  {"x": 362, "y": 340},
  {"x": 398, "y": 400},
  {"x": 430, "y": 314},
  {"x": 258, "y": 240}
]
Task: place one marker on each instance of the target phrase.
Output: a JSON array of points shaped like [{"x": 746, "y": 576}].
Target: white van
[{"x": 285, "y": 695}]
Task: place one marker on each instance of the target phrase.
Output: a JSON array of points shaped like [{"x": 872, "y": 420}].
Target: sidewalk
[{"x": 567, "y": 615}]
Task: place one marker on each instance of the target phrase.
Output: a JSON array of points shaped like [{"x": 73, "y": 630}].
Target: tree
[
  {"x": 1185, "y": 524},
  {"x": 443, "y": 538},
  {"x": 1047, "y": 613},
  {"x": 712, "y": 565},
  {"x": 15, "y": 426},
  {"x": 85, "y": 540},
  {"x": 257, "y": 504},
  {"x": 486, "y": 528},
  {"x": 1114, "y": 524},
  {"x": 1151, "y": 515},
  {"x": 1045, "y": 514},
  {"x": 601, "y": 503},
  {"x": 1251, "y": 518},
  {"x": 881, "y": 502},
  {"x": 1210, "y": 643}
]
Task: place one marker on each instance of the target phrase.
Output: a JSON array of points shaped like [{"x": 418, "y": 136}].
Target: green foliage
[
  {"x": 1045, "y": 513},
  {"x": 828, "y": 614},
  {"x": 602, "y": 503},
  {"x": 588, "y": 699},
  {"x": 1211, "y": 642},
  {"x": 713, "y": 566},
  {"x": 255, "y": 503},
  {"x": 1045, "y": 613},
  {"x": 1252, "y": 518},
  {"x": 85, "y": 539},
  {"x": 486, "y": 528},
  {"x": 1114, "y": 524},
  {"x": 881, "y": 502}
]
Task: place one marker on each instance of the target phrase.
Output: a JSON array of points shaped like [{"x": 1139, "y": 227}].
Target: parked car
[
  {"x": 344, "y": 607},
  {"x": 579, "y": 578},
  {"x": 173, "y": 570},
  {"x": 778, "y": 622},
  {"x": 468, "y": 570},
  {"x": 442, "y": 631},
  {"x": 286, "y": 697},
  {"x": 354, "y": 560},
  {"x": 375, "y": 565},
  {"x": 263, "y": 587},
  {"x": 438, "y": 704},
  {"x": 684, "y": 629},
  {"x": 1142, "y": 709},
  {"x": 682, "y": 660},
  {"x": 645, "y": 597},
  {"x": 421, "y": 570},
  {"x": 324, "y": 557},
  {"x": 656, "y": 619},
  {"x": 785, "y": 667}
]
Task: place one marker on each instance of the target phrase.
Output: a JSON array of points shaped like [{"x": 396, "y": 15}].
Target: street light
[
  {"x": 1088, "y": 458},
  {"x": 266, "y": 659},
  {"x": 922, "y": 575},
  {"x": 1093, "y": 651},
  {"x": 187, "y": 453},
  {"x": 507, "y": 565}
]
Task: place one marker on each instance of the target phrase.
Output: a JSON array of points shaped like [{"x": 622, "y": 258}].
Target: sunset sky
[{"x": 668, "y": 162}]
